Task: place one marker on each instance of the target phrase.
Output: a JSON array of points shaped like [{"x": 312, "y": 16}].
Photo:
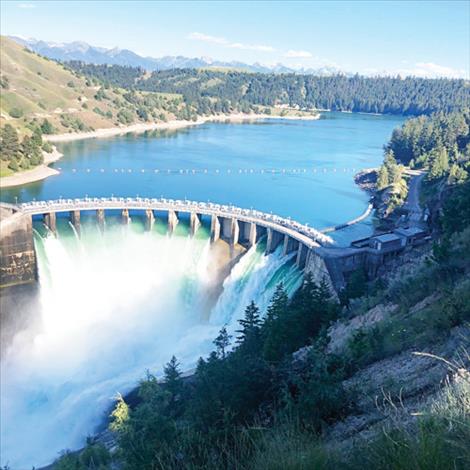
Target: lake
[{"x": 314, "y": 163}]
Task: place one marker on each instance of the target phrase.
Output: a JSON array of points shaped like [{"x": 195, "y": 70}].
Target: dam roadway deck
[{"x": 304, "y": 234}]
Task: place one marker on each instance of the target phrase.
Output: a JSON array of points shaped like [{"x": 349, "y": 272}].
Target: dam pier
[{"x": 231, "y": 224}]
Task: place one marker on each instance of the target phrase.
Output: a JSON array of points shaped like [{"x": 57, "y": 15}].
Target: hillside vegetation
[
  {"x": 210, "y": 90},
  {"x": 368, "y": 403},
  {"x": 438, "y": 144},
  {"x": 35, "y": 88},
  {"x": 40, "y": 96}
]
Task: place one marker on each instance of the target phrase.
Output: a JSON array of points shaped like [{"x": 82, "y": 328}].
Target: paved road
[{"x": 412, "y": 204}]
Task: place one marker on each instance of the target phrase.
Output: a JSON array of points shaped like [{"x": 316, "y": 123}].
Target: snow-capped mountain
[{"x": 79, "y": 50}]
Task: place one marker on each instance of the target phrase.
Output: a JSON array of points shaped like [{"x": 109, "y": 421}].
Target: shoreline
[
  {"x": 35, "y": 174},
  {"x": 170, "y": 125},
  {"x": 43, "y": 171}
]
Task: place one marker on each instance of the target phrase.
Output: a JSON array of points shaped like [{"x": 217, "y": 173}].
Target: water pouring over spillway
[{"x": 113, "y": 304}]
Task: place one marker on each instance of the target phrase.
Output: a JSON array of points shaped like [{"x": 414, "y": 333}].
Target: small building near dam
[{"x": 371, "y": 253}]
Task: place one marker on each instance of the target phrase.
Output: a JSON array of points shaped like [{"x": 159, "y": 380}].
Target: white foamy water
[{"x": 113, "y": 306}]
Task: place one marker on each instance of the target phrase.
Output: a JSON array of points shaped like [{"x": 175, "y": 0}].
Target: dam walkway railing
[{"x": 304, "y": 234}]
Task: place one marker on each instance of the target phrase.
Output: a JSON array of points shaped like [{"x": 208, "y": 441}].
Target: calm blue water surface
[{"x": 100, "y": 167}]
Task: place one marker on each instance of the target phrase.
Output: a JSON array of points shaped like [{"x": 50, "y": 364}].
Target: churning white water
[{"x": 112, "y": 306}]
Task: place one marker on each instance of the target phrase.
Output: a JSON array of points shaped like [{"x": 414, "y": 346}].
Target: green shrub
[
  {"x": 47, "y": 127},
  {"x": 94, "y": 456},
  {"x": 47, "y": 147},
  {"x": 125, "y": 116},
  {"x": 13, "y": 165},
  {"x": 16, "y": 113}
]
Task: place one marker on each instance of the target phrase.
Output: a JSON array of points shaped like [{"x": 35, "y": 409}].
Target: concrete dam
[
  {"x": 97, "y": 291},
  {"x": 118, "y": 286},
  {"x": 234, "y": 225}
]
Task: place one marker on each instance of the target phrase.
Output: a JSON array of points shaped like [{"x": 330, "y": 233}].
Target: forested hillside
[
  {"x": 438, "y": 144},
  {"x": 40, "y": 96},
  {"x": 210, "y": 90}
]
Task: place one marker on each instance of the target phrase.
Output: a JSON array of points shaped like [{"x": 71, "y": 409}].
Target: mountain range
[{"x": 84, "y": 52}]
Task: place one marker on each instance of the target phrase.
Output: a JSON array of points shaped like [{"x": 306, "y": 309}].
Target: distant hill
[
  {"x": 35, "y": 89},
  {"x": 211, "y": 91},
  {"x": 98, "y": 55}
]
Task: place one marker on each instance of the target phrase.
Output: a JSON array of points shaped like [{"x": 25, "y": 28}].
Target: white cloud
[
  {"x": 251, "y": 47},
  {"x": 207, "y": 38},
  {"x": 435, "y": 70},
  {"x": 298, "y": 54},
  {"x": 233, "y": 45},
  {"x": 431, "y": 70},
  {"x": 420, "y": 69},
  {"x": 26, "y": 5}
]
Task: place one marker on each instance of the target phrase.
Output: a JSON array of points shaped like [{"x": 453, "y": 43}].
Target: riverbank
[
  {"x": 171, "y": 125},
  {"x": 38, "y": 173}
]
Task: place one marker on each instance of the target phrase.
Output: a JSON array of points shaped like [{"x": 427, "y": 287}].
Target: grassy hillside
[
  {"x": 35, "y": 88},
  {"x": 40, "y": 96}
]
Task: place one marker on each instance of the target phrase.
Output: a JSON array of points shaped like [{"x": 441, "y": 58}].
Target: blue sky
[{"x": 429, "y": 38}]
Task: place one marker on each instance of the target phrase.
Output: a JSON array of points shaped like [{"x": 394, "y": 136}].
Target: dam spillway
[
  {"x": 232, "y": 224},
  {"x": 119, "y": 296}
]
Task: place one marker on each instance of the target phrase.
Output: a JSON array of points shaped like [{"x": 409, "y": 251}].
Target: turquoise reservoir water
[{"x": 324, "y": 155}]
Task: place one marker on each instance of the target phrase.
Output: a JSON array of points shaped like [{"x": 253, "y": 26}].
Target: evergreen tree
[
  {"x": 393, "y": 169},
  {"x": 222, "y": 342},
  {"x": 31, "y": 151},
  {"x": 383, "y": 178},
  {"x": 249, "y": 339},
  {"x": 275, "y": 336},
  {"x": 120, "y": 415},
  {"x": 13, "y": 165},
  {"x": 37, "y": 137},
  {"x": 47, "y": 127},
  {"x": 9, "y": 143},
  {"x": 172, "y": 377},
  {"x": 439, "y": 163},
  {"x": 457, "y": 175}
]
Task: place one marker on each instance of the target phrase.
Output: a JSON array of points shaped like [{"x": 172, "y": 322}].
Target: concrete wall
[
  {"x": 18, "y": 260},
  {"x": 315, "y": 265},
  {"x": 17, "y": 255}
]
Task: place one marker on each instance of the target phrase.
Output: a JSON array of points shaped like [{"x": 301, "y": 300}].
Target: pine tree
[
  {"x": 37, "y": 137},
  {"x": 172, "y": 377},
  {"x": 13, "y": 165},
  {"x": 439, "y": 163},
  {"x": 457, "y": 175},
  {"x": 382, "y": 180},
  {"x": 47, "y": 127},
  {"x": 276, "y": 326},
  {"x": 393, "y": 169},
  {"x": 249, "y": 338},
  {"x": 9, "y": 143},
  {"x": 222, "y": 342},
  {"x": 31, "y": 151}
]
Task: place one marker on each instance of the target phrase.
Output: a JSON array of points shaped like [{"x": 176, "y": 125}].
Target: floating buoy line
[{"x": 212, "y": 171}]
